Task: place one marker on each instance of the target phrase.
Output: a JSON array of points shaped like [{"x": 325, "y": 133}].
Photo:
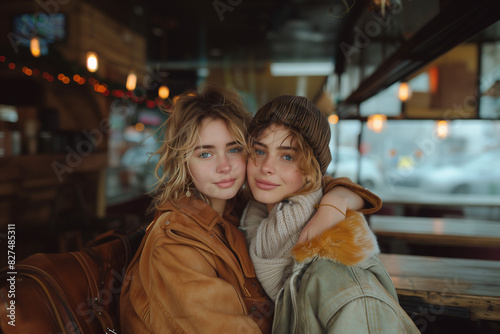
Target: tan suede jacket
[{"x": 193, "y": 274}]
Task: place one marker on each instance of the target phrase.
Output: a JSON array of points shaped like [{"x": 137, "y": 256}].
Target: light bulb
[
  {"x": 376, "y": 122},
  {"x": 333, "y": 119},
  {"x": 131, "y": 80},
  {"x": 92, "y": 61},
  {"x": 163, "y": 92},
  {"x": 404, "y": 91},
  {"x": 35, "y": 47}
]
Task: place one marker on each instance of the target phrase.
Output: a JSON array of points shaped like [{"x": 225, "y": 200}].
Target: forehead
[
  {"x": 276, "y": 134},
  {"x": 213, "y": 129}
]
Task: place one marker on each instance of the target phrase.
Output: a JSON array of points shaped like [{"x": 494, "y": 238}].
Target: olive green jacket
[{"x": 324, "y": 295}]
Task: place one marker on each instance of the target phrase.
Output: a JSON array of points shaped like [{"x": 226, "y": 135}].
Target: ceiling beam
[{"x": 456, "y": 22}]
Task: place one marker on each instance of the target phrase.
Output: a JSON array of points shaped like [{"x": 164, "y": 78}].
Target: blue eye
[
  {"x": 259, "y": 152},
  {"x": 288, "y": 157},
  {"x": 235, "y": 150},
  {"x": 204, "y": 155}
]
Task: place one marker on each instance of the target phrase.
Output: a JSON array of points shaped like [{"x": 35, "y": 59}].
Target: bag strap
[
  {"x": 96, "y": 284},
  {"x": 96, "y": 300},
  {"x": 67, "y": 319}
]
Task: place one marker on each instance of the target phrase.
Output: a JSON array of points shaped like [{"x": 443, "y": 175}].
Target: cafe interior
[{"x": 411, "y": 90}]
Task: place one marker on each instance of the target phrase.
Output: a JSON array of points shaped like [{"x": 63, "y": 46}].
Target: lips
[
  {"x": 226, "y": 183},
  {"x": 265, "y": 185}
]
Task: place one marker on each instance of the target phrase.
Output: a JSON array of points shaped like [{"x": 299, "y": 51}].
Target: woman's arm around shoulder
[{"x": 340, "y": 195}]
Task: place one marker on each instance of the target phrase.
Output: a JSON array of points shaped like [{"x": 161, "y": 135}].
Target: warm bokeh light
[
  {"x": 442, "y": 129},
  {"x": 131, "y": 80},
  {"x": 92, "y": 62},
  {"x": 35, "y": 47},
  {"x": 163, "y": 92},
  {"x": 333, "y": 119},
  {"x": 404, "y": 91},
  {"x": 376, "y": 122},
  {"x": 139, "y": 127}
]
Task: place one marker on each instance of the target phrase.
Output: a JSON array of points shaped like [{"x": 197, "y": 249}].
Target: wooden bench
[
  {"x": 432, "y": 286},
  {"x": 411, "y": 201},
  {"x": 437, "y": 231}
]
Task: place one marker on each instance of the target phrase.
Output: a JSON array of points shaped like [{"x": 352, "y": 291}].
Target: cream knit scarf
[{"x": 272, "y": 237}]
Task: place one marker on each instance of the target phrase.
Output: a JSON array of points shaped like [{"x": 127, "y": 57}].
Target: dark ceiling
[{"x": 236, "y": 29}]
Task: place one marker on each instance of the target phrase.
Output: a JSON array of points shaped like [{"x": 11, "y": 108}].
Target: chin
[
  {"x": 229, "y": 193},
  {"x": 263, "y": 198}
]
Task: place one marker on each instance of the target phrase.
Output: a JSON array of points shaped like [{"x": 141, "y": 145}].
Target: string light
[{"x": 99, "y": 87}]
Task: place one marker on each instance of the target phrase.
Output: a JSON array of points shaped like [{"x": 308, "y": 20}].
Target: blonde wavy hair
[{"x": 181, "y": 133}]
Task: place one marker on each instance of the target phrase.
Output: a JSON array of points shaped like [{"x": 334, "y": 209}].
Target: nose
[
  {"x": 223, "y": 165},
  {"x": 267, "y": 166}
]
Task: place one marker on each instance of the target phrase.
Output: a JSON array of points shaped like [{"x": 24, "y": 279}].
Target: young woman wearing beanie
[
  {"x": 192, "y": 272},
  {"x": 333, "y": 283}
]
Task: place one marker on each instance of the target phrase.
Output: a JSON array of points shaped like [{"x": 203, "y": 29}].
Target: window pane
[
  {"x": 446, "y": 88},
  {"x": 415, "y": 161},
  {"x": 489, "y": 84},
  {"x": 386, "y": 103}
]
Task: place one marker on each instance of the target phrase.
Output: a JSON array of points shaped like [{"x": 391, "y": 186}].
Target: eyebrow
[
  {"x": 213, "y": 146},
  {"x": 281, "y": 148}
]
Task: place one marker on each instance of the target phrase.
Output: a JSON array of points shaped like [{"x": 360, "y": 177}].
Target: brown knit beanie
[{"x": 302, "y": 115}]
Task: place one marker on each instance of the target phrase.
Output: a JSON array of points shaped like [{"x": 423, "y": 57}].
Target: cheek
[
  {"x": 251, "y": 167},
  {"x": 242, "y": 167},
  {"x": 193, "y": 171},
  {"x": 241, "y": 162},
  {"x": 296, "y": 179}
]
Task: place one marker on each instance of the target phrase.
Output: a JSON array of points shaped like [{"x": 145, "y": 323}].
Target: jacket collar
[
  {"x": 199, "y": 211},
  {"x": 349, "y": 242}
]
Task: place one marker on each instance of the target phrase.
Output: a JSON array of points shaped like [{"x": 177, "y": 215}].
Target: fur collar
[{"x": 350, "y": 242}]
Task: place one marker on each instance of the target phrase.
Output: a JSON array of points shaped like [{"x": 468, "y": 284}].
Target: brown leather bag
[{"x": 76, "y": 292}]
